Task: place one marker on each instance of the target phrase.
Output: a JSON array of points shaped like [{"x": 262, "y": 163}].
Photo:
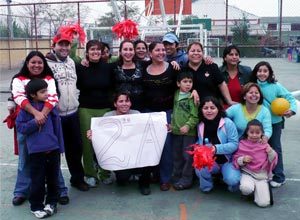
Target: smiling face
[
  {"x": 62, "y": 49},
  {"x": 210, "y": 110},
  {"x": 35, "y": 66},
  {"x": 141, "y": 51},
  {"x": 158, "y": 53},
  {"x": 232, "y": 58},
  {"x": 195, "y": 54},
  {"x": 254, "y": 133},
  {"x": 263, "y": 73},
  {"x": 127, "y": 52},
  {"x": 252, "y": 96},
  {"x": 122, "y": 105},
  {"x": 94, "y": 53}
]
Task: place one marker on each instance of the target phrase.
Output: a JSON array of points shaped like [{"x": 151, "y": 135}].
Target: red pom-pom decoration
[
  {"x": 69, "y": 32},
  {"x": 127, "y": 29},
  {"x": 203, "y": 156}
]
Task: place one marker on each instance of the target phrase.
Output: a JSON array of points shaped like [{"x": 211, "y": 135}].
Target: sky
[{"x": 256, "y": 7}]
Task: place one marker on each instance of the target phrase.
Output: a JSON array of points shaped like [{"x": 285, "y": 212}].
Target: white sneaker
[
  {"x": 50, "y": 209},
  {"x": 91, "y": 181},
  {"x": 40, "y": 213},
  {"x": 276, "y": 184},
  {"x": 109, "y": 180}
]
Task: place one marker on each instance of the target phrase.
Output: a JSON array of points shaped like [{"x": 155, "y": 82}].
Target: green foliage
[{"x": 18, "y": 31}]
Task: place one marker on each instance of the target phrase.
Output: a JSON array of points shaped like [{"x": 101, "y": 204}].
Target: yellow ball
[{"x": 280, "y": 106}]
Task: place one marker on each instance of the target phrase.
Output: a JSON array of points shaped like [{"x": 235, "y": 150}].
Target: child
[
  {"x": 264, "y": 76},
  {"x": 256, "y": 160},
  {"x": 44, "y": 145},
  {"x": 183, "y": 123}
]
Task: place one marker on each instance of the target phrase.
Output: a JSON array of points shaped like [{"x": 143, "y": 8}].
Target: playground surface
[{"x": 110, "y": 202}]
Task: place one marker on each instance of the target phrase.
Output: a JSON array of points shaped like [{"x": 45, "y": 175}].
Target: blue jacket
[
  {"x": 48, "y": 137},
  {"x": 227, "y": 135},
  {"x": 272, "y": 91},
  {"x": 180, "y": 57}
]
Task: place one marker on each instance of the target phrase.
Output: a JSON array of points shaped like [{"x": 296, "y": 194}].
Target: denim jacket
[{"x": 244, "y": 73}]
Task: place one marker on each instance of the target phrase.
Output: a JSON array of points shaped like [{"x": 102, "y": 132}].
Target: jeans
[
  {"x": 166, "y": 160},
  {"x": 231, "y": 176},
  {"x": 275, "y": 143},
  {"x": 23, "y": 182}
]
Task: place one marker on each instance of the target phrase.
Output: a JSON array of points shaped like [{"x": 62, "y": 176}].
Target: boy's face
[
  {"x": 171, "y": 48},
  {"x": 62, "y": 49},
  {"x": 41, "y": 95},
  {"x": 185, "y": 85}
]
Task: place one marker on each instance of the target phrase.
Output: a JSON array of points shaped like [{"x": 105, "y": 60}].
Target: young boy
[
  {"x": 183, "y": 124},
  {"x": 44, "y": 143}
]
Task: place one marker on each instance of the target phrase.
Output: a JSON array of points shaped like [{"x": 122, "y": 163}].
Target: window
[
  {"x": 295, "y": 27},
  {"x": 272, "y": 27}
]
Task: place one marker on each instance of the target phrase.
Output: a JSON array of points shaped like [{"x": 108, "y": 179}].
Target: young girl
[
  {"x": 221, "y": 133},
  {"x": 264, "y": 76},
  {"x": 256, "y": 160}
]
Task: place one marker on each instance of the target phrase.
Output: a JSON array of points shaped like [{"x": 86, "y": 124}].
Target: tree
[{"x": 241, "y": 31}]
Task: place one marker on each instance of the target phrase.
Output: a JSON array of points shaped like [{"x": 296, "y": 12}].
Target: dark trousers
[
  {"x": 182, "y": 161},
  {"x": 73, "y": 146},
  {"x": 123, "y": 176},
  {"x": 44, "y": 168},
  {"x": 275, "y": 143}
]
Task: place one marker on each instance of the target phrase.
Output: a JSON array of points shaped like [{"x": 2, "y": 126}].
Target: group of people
[{"x": 55, "y": 100}]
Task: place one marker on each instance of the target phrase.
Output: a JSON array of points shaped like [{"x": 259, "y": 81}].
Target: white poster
[{"x": 129, "y": 141}]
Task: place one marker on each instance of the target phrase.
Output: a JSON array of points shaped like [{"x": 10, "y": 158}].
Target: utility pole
[{"x": 9, "y": 20}]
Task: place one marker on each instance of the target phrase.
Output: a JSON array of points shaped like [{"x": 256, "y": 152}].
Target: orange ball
[{"x": 279, "y": 106}]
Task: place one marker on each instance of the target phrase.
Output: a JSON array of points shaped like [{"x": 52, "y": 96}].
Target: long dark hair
[
  {"x": 228, "y": 50},
  {"x": 253, "y": 122},
  {"x": 216, "y": 102},
  {"x": 120, "y": 61},
  {"x": 270, "y": 79},
  {"x": 25, "y": 71}
]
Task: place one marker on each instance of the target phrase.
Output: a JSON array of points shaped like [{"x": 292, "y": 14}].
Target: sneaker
[
  {"x": 63, "y": 200},
  {"x": 91, "y": 181},
  {"x": 82, "y": 186},
  {"x": 276, "y": 184},
  {"x": 110, "y": 179},
  {"x": 50, "y": 209},
  {"x": 40, "y": 213},
  {"x": 18, "y": 200}
]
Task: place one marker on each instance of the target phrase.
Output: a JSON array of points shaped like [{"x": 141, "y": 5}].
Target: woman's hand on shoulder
[
  {"x": 208, "y": 60},
  {"x": 264, "y": 139},
  {"x": 40, "y": 117},
  {"x": 89, "y": 134},
  {"x": 175, "y": 65},
  {"x": 196, "y": 97},
  {"x": 85, "y": 62},
  {"x": 247, "y": 159}
]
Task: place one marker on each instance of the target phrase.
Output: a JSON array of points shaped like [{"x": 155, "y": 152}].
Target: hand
[
  {"x": 40, "y": 118},
  {"x": 288, "y": 113},
  {"x": 208, "y": 60},
  {"x": 247, "y": 159},
  {"x": 268, "y": 149},
  {"x": 85, "y": 62},
  {"x": 264, "y": 139},
  {"x": 184, "y": 129},
  {"x": 232, "y": 103},
  {"x": 195, "y": 96},
  {"x": 175, "y": 65},
  {"x": 169, "y": 127},
  {"x": 89, "y": 134}
]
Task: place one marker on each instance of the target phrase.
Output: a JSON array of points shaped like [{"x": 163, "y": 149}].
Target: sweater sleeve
[
  {"x": 26, "y": 125},
  {"x": 266, "y": 121},
  {"x": 18, "y": 91},
  {"x": 52, "y": 93},
  {"x": 284, "y": 93},
  {"x": 232, "y": 139}
]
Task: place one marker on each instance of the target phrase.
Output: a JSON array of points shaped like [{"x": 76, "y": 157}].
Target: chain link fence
[{"x": 31, "y": 26}]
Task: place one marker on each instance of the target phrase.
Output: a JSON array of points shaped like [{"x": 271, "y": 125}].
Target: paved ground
[{"x": 112, "y": 202}]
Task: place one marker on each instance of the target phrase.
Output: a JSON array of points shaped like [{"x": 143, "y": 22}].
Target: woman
[
  {"x": 141, "y": 50},
  {"x": 35, "y": 66},
  {"x": 208, "y": 81},
  {"x": 128, "y": 74},
  {"x": 159, "y": 80},
  {"x": 95, "y": 83},
  {"x": 236, "y": 75},
  {"x": 221, "y": 133},
  {"x": 122, "y": 104},
  {"x": 106, "y": 55},
  {"x": 251, "y": 108}
]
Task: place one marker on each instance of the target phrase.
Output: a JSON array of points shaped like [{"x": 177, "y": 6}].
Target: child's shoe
[
  {"x": 50, "y": 209},
  {"x": 276, "y": 184},
  {"x": 40, "y": 213},
  {"x": 91, "y": 181}
]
